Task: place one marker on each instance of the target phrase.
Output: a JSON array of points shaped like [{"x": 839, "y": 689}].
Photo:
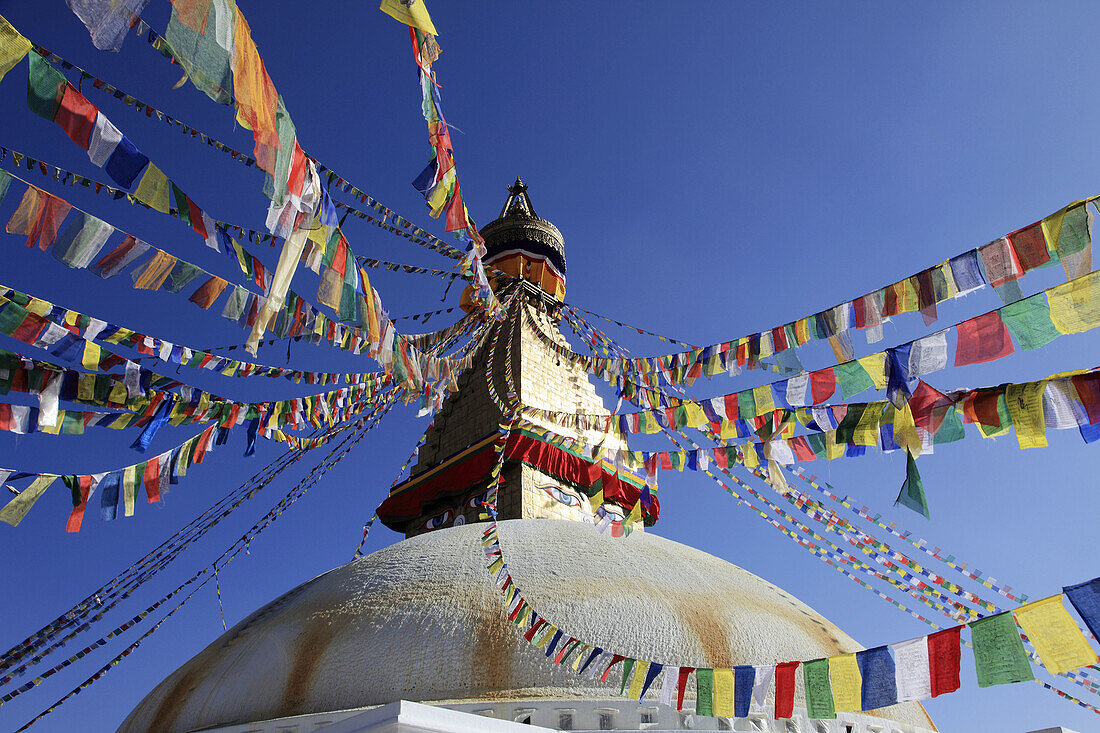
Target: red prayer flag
[
  {"x": 681, "y": 685},
  {"x": 779, "y": 339},
  {"x": 784, "y": 689},
  {"x": 151, "y": 478},
  {"x": 1088, "y": 391},
  {"x": 822, "y": 385},
  {"x": 208, "y": 292},
  {"x": 76, "y": 517},
  {"x": 923, "y": 405},
  {"x": 614, "y": 660},
  {"x": 926, "y": 296},
  {"x": 982, "y": 407},
  {"x": 76, "y": 116},
  {"x": 732, "y": 409},
  {"x": 802, "y": 450},
  {"x": 943, "y": 660},
  {"x": 1030, "y": 247},
  {"x": 51, "y": 210},
  {"x": 981, "y": 339}
]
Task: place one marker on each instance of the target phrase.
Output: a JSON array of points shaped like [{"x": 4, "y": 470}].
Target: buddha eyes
[
  {"x": 475, "y": 502},
  {"x": 438, "y": 520},
  {"x": 561, "y": 496}
]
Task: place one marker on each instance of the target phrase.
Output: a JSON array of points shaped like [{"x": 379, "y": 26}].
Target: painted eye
[
  {"x": 438, "y": 520},
  {"x": 476, "y": 501},
  {"x": 561, "y": 496}
]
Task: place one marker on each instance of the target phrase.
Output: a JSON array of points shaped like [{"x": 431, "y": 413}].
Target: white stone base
[{"x": 617, "y": 714}]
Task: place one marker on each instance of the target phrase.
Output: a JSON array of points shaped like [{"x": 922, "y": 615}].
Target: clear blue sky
[{"x": 716, "y": 168}]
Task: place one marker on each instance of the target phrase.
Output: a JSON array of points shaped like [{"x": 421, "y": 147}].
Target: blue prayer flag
[
  {"x": 876, "y": 667},
  {"x": 1085, "y": 597}
]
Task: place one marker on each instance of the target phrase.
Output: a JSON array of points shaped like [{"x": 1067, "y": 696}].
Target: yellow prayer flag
[
  {"x": 1075, "y": 306},
  {"x": 696, "y": 418},
  {"x": 905, "y": 430},
  {"x": 1025, "y": 406},
  {"x": 729, "y": 430},
  {"x": 547, "y": 636},
  {"x": 722, "y": 700},
  {"x": 14, "y": 511},
  {"x": 832, "y": 448},
  {"x": 13, "y": 47},
  {"x": 91, "y": 357},
  {"x": 866, "y": 432},
  {"x": 846, "y": 682},
  {"x": 156, "y": 271},
  {"x": 1052, "y": 226},
  {"x": 1057, "y": 639},
  {"x": 409, "y": 12},
  {"x": 39, "y": 307},
  {"x": 584, "y": 653},
  {"x": 875, "y": 366},
  {"x": 640, "y": 669},
  {"x": 762, "y": 396},
  {"x": 85, "y": 387},
  {"x": 153, "y": 189}
]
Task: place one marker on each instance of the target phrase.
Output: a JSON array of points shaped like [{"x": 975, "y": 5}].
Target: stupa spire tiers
[
  {"x": 522, "y": 245},
  {"x": 541, "y": 479}
]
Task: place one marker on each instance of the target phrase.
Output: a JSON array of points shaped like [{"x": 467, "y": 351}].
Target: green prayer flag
[
  {"x": 746, "y": 404},
  {"x": 207, "y": 64},
  {"x": 704, "y": 692},
  {"x": 951, "y": 429},
  {"x": 846, "y": 430},
  {"x": 852, "y": 378},
  {"x": 628, "y": 667},
  {"x": 182, "y": 274},
  {"x": 45, "y": 87},
  {"x": 819, "y": 692},
  {"x": 82, "y": 240},
  {"x": 5, "y": 181},
  {"x": 912, "y": 490},
  {"x": 1028, "y": 321},
  {"x": 998, "y": 651}
]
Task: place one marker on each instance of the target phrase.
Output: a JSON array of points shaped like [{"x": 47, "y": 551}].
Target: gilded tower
[{"x": 448, "y": 481}]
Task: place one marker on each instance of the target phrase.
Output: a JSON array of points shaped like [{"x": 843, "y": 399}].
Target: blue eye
[
  {"x": 476, "y": 501},
  {"x": 438, "y": 520},
  {"x": 562, "y": 496}
]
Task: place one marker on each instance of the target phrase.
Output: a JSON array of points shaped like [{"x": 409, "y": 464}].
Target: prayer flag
[
  {"x": 944, "y": 656},
  {"x": 14, "y": 511},
  {"x": 784, "y": 689},
  {"x": 1085, "y": 598},
  {"x": 681, "y": 685},
  {"x": 82, "y": 240},
  {"x": 998, "y": 651},
  {"x": 13, "y": 47},
  {"x": 411, "y": 13},
  {"x": 743, "y": 681},
  {"x": 109, "y": 487},
  {"x": 981, "y": 339},
  {"x": 1025, "y": 406},
  {"x": 912, "y": 489},
  {"x": 704, "y": 692},
  {"x": 652, "y": 670},
  {"x": 1028, "y": 321},
  {"x": 723, "y": 693},
  {"x": 1072, "y": 243},
  {"x": 155, "y": 272},
  {"x": 1075, "y": 306},
  {"x": 108, "y": 21},
  {"x": 819, "y": 695},
  {"x": 876, "y": 669},
  {"x": 153, "y": 189},
  {"x": 45, "y": 87},
  {"x": 762, "y": 682},
  {"x": 845, "y": 681},
  {"x": 912, "y": 674},
  {"x": 76, "y": 116},
  {"x": 1055, "y": 636}
]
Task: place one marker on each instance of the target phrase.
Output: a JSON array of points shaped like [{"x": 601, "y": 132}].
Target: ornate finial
[{"x": 518, "y": 203}]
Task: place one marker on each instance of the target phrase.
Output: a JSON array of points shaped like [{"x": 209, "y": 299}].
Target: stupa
[{"x": 415, "y": 636}]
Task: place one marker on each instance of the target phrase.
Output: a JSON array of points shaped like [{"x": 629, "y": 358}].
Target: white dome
[{"x": 421, "y": 620}]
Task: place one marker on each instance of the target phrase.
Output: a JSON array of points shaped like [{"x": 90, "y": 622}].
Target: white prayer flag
[{"x": 911, "y": 670}]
